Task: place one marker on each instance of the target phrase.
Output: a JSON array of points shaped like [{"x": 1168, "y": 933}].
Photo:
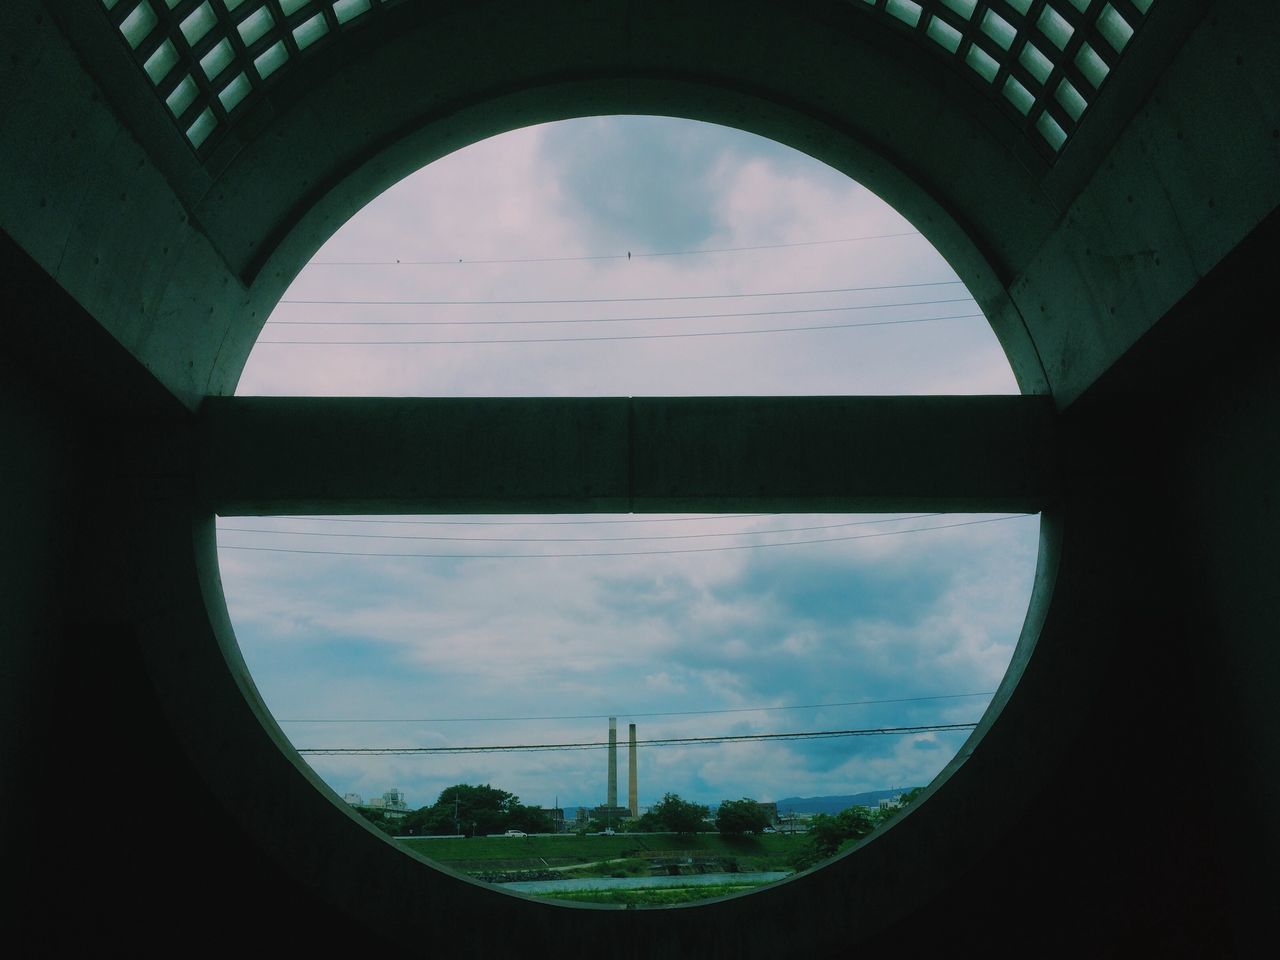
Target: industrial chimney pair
[{"x": 612, "y": 801}]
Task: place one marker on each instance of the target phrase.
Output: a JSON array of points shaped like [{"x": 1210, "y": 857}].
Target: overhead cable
[
  {"x": 664, "y": 299},
  {"x": 658, "y": 742},
  {"x": 630, "y": 553},
  {"x": 636, "y": 336},
  {"x": 520, "y": 523},
  {"x": 686, "y": 316},
  {"x": 674, "y": 536},
  {"x": 635, "y": 716},
  {"x": 607, "y": 256}
]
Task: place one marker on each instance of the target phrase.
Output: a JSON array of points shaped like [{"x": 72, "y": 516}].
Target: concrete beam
[{"x": 262, "y": 455}]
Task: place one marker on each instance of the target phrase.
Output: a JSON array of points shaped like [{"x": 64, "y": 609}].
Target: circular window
[{"x": 470, "y": 680}]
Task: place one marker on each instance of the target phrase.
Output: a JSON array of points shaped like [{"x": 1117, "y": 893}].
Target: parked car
[{"x": 515, "y": 833}]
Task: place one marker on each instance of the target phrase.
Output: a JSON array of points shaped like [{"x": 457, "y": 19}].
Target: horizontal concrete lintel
[{"x": 263, "y": 455}]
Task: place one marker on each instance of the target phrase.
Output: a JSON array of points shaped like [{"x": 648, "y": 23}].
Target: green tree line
[
  {"x": 831, "y": 833},
  {"x": 468, "y": 810}
]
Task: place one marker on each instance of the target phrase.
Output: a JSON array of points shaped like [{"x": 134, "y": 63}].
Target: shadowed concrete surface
[
  {"x": 261, "y": 455},
  {"x": 1123, "y": 278}
]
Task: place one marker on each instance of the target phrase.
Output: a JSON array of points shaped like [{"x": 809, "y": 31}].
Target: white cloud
[
  {"x": 504, "y": 199},
  {"x": 415, "y": 638}
]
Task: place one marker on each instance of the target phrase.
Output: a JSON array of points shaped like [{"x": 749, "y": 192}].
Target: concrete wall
[{"x": 134, "y": 286}]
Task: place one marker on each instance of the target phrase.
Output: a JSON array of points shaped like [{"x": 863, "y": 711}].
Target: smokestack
[
  {"x": 632, "y": 800},
  {"x": 612, "y": 800}
]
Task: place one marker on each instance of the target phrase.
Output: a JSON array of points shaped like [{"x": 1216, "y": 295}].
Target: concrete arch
[
  {"x": 212, "y": 245},
  {"x": 1123, "y": 272}
]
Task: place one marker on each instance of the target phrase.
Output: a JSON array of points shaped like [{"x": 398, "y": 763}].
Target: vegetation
[
  {"x": 672, "y": 815},
  {"x": 651, "y": 896},
  {"x": 832, "y": 833},
  {"x": 601, "y": 826},
  {"x": 908, "y": 797},
  {"x": 738, "y": 817},
  {"x": 380, "y": 820},
  {"x": 671, "y": 836},
  {"x": 474, "y": 810},
  {"x": 574, "y": 855}
]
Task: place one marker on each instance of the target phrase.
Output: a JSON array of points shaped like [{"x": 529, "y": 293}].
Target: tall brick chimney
[
  {"x": 612, "y": 799},
  {"x": 632, "y": 794}
]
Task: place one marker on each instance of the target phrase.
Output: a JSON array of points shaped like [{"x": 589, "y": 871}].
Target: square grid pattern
[
  {"x": 1043, "y": 60},
  {"x": 207, "y": 59}
]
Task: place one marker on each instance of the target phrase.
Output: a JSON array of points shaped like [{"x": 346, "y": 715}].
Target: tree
[
  {"x": 464, "y": 808},
  {"x": 528, "y": 819},
  {"x": 830, "y": 833},
  {"x": 736, "y": 817},
  {"x": 378, "y": 819},
  {"x": 678, "y": 816},
  {"x": 885, "y": 814},
  {"x": 647, "y": 823}
]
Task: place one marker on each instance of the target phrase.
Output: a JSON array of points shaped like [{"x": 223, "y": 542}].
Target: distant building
[
  {"x": 391, "y": 803},
  {"x": 557, "y": 817},
  {"x": 608, "y": 814},
  {"x": 393, "y": 799},
  {"x": 354, "y": 799},
  {"x": 792, "y": 822}
]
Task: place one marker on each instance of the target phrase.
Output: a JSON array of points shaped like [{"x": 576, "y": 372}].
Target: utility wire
[
  {"x": 518, "y": 523},
  {"x": 606, "y": 256},
  {"x": 666, "y": 299},
  {"x": 636, "y": 336},
  {"x": 662, "y": 713},
  {"x": 630, "y": 553},
  {"x": 660, "y": 742},
  {"x": 686, "y": 316},
  {"x": 674, "y": 536}
]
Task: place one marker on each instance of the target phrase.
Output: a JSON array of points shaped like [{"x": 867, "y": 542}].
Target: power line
[
  {"x": 519, "y": 523},
  {"x": 666, "y": 299},
  {"x": 662, "y": 713},
  {"x": 637, "y": 336},
  {"x": 660, "y": 742},
  {"x": 605, "y": 256},
  {"x": 686, "y": 316},
  {"x": 631, "y": 553},
  {"x": 676, "y": 536}
]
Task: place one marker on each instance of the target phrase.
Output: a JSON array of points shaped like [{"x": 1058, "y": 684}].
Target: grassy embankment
[
  {"x": 622, "y": 855},
  {"x": 650, "y": 897},
  {"x": 767, "y": 852}
]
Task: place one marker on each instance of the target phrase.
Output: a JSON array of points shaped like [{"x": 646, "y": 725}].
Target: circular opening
[
  {"x": 815, "y": 664},
  {"x": 627, "y": 256}
]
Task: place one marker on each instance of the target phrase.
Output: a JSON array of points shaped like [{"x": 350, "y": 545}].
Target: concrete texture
[
  {"x": 1123, "y": 280},
  {"x": 263, "y": 455}
]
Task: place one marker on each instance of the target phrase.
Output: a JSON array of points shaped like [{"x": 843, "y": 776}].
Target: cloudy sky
[{"x": 752, "y": 270}]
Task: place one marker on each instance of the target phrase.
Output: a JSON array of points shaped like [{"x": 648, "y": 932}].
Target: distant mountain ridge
[
  {"x": 832, "y": 804},
  {"x": 835, "y": 804}
]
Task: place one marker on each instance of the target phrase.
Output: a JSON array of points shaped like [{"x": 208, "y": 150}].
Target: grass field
[
  {"x": 653, "y": 897},
  {"x": 567, "y": 856},
  {"x": 751, "y": 853}
]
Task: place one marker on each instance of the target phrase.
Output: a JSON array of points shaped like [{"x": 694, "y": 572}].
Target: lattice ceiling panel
[
  {"x": 1043, "y": 60},
  {"x": 208, "y": 59}
]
